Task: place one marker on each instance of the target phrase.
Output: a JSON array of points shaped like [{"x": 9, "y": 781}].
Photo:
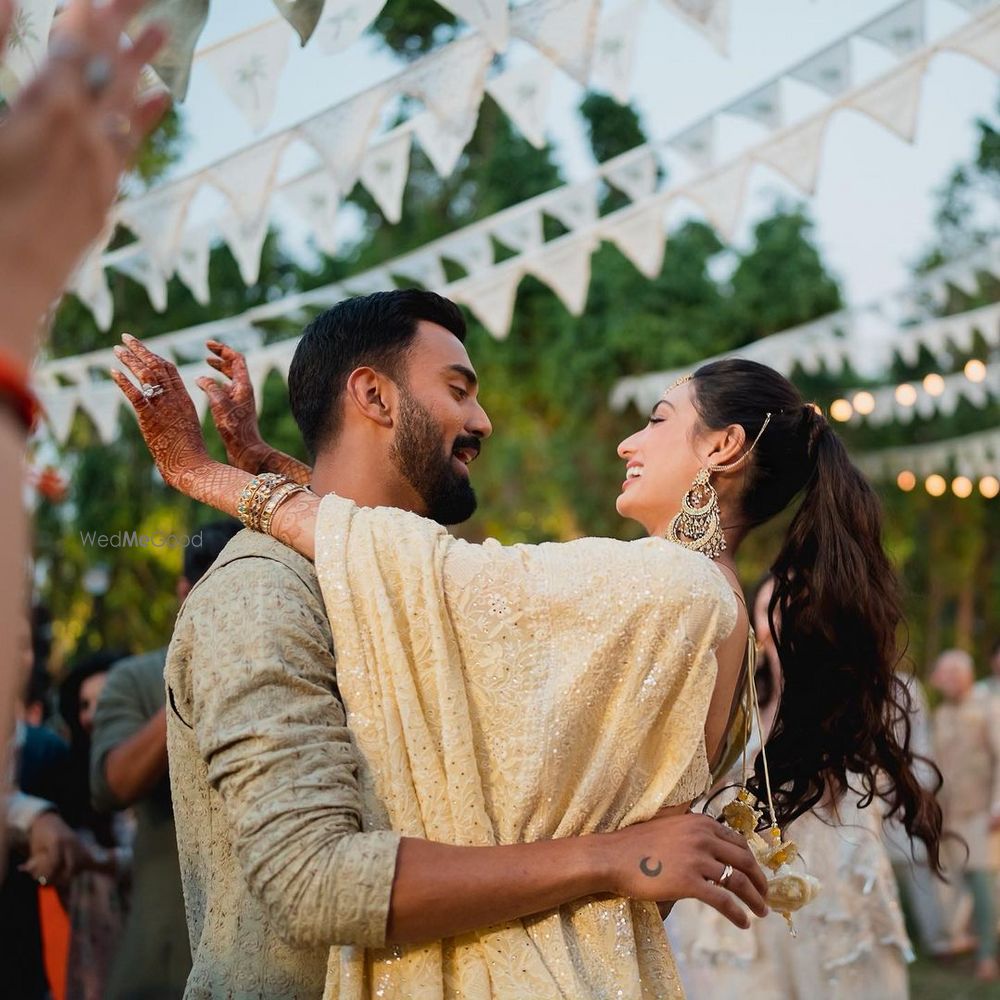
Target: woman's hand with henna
[{"x": 167, "y": 417}]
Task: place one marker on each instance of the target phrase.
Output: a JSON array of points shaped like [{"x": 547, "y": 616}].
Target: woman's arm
[
  {"x": 170, "y": 427},
  {"x": 234, "y": 411}
]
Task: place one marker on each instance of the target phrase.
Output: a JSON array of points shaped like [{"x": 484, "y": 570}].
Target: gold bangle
[
  {"x": 281, "y": 496},
  {"x": 271, "y": 502},
  {"x": 255, "y": 495}
]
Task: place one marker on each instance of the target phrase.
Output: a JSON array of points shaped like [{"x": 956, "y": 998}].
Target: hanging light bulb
[
  {"x": 975, "y": 370},
  {"x": 989, "y": 486},
  {"x": 864, "y": 403},
  {"x": 961, "y": 486},
  {"x": 935, "y": 485},
  {"x": 906, "y": 394},
  {"x": 933, "y": 384},
  {"x": 906, "y": 480},
  {"x": 841, "y": 410}
]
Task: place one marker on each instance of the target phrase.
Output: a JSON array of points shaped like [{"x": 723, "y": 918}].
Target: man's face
[{"x": 440, "y": 424}]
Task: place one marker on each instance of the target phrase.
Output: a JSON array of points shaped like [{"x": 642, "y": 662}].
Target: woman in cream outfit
[{"x": 515, "y": 693}]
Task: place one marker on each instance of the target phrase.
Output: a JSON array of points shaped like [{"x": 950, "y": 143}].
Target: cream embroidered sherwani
[{"x": 501, "y": 695}]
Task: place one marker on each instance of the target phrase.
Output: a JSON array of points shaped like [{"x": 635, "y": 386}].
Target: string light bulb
[
  {"x": 906, "y": 394},
  {"x": 961, "y": 486},
  {"x": 933, "y": 384},
  {"x": 864, "y": 403},
  {"x": 935, "y": 485},
  {"x": 906, "y": 480},
  {"x": 841, "y": 409},
  {"x": 989, "y": 487},
  {"x": 975, "y": 370}
]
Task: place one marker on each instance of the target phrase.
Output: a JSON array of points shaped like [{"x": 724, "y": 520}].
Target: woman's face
[
  {"x": 90, "y": 691},
  {"x": 662, "y": 460}
]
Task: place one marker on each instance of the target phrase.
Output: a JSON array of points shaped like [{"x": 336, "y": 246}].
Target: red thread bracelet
[{"x": 16, "y": 394}]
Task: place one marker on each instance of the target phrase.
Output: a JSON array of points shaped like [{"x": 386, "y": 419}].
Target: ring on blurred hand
[
  {"x": 65, "y": 47},
  {"x": 42, "y": 880},
  {"x": 97, "y": 74},
  {"x": 117, "y": 125},
  {"x": 149, "y": 391},
  {"x": 724, "y": 877}
]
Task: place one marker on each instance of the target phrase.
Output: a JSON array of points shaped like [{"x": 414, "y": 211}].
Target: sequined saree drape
[{"x": 508, "y": 694}]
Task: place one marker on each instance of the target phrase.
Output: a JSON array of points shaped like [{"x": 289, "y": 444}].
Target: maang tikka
[{"x": 698, "y": 525}]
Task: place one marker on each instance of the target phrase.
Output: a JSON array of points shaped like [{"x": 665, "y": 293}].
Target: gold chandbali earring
[{"x": 698, "y": 526}]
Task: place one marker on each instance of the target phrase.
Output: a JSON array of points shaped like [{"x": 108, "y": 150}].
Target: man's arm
[
  {"x": 129, "y": 747},
  {"x": 272, "y": 731}
]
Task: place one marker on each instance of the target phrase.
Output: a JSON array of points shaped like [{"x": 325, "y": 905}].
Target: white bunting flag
[
  {"x": 443, "y": 142},
  {"x": 27, "y": 44},
  {"x": 192, "y": 262},
  {"x": 523, "y": 94},
  {"x": 157, "y": 219},
  {"x": 385, "y": 169},
  {"x": 245, "y": 237},
  {"x": 491, "y": 297},
  {"x": 981, "y": 41},
  {"x": 895, "y": 101},
  {"x": 902, "y": 30},
  {"x": 564, "y": 265},
  {"x": 764, "y": 106},
  {"x": 344, "y": 22},
  {"x": 490, "y": 17},
  {"x": 59, "y": 408},
  {"x": 796, "y": 153},
  {"x": 102, "y": 401},
  {"x": 247, "y": 179},
  {"x": 697, "y": 143},
  {"x": 474, "y": 251},
  {"x": 140, "y": 267},
  {"x": 90, "y": 286},
  {"x": 562, "y": 30},
  {"x": 639, "y": 233},
  {"x": 830, "y": 70},
  {"x": 633, "y": 173},
  {"x": 574, "y": 205},
  {"x": 710, "y": 17},
  {"x": 368, "y": 282},
  {"x": 249, "y": 69},
  {"x": 614, "y": 50},
  {"x": 184, "y": 20},
  {"x": 315, "y": 200},
  {"x": 450, "y": 82},
  {"x": 341, "y": 135},
  {"x": 423, "y": 268},
  {"x": 721, "y": 196},
  {"x": 521, "y": 231}
]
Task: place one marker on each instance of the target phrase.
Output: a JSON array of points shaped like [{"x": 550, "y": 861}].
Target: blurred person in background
[
  {"x": 129, "y": 769},
  {"x": 66, "y": 140},
  {"x": 966, "y": 729}
]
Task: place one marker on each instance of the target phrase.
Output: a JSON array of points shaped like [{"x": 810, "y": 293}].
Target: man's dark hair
[
  {"x": 214, "y": 538},
  {"x": 374, "y": 330}
]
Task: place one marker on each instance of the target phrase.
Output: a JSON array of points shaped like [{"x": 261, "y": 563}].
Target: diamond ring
[
  {"x": 149, "y": 391},
  {"x": 726, "y": 873}
]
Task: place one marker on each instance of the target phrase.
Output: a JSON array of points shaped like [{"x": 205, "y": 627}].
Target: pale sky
[{"x": 874, "y": 201}]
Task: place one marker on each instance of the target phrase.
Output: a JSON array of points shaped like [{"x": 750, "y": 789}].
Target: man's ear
[{"x": 372, "y": 394}]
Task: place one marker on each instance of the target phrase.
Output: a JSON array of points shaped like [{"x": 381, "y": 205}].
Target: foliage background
[{"x": 550, "y": 471}]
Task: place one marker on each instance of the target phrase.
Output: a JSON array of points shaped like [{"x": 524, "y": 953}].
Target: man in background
[{"x": 129, "y": 769}]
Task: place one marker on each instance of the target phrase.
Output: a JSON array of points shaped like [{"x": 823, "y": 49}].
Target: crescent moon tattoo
[{"x": 647, "y": 869}]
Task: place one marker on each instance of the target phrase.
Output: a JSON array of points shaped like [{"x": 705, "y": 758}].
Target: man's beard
[{"x": 425, "y": 462}]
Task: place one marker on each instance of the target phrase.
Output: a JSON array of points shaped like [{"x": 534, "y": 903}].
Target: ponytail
[{"x": 844, "y": 714}]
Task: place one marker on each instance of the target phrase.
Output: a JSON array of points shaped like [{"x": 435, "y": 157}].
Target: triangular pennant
[
  {"x": 562, "y": 30},
  {"x": 245, "y": 237},
  {"x": 721, "y": 196},
  {"x": 633, "y": 173},
  {"x": 27, "y": 43},
  {"x": 491, "y": 297},
  {"x": 638, "y": 231},
  {"x": 90, "y": 286},
  {"x": 141, "y": 268},
  {"x": 474, "y": 251},
  {"x": 450, "y": 82},
  {"x": 247, "y": 179},
  {"x": 902, "y": 30},
  {"x": 384, "y": 172},
  {"x": 697, "y": 143},
  {"x": 260, "y": 364},
  {"x": 521, "y": 231},
  {"x": 981, "y": 41},
  {"x": 443, "y": 142},
  {"x": 340, "y": 135},
  {"x": 423, "y": 268},
  {"x": 249, "y": 67},
  {"x": 614, "y": 50},
  {"x": 796, "y": 153},
  {"x": 344, "y": 22},
  {"x": 302, "y": 15},
  {"x": 895, "y": 100},
  {"x": 574, "y": 205},
  {"x": 764, "y": 106},
  {"x": 710, "y": 17},
  {"x": 374, "y": 280},
  {"x": 102, "y": 401},
  {"x": 184, "y": 20},
  {"x": 830, "y": 70},
  {"x": 315, "y": 200},
  {"x": 523, "y": 94},
  {"x": 489, "y": 17},
  {"x": 565, "y": 267},
  {"x": 157, "y": 219},
  {"x": 192, "y": 263},
  {"x": 59, "y": 409}
]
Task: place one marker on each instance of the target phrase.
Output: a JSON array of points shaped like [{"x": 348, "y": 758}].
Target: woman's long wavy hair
[{"x": 844, "y": 715}]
